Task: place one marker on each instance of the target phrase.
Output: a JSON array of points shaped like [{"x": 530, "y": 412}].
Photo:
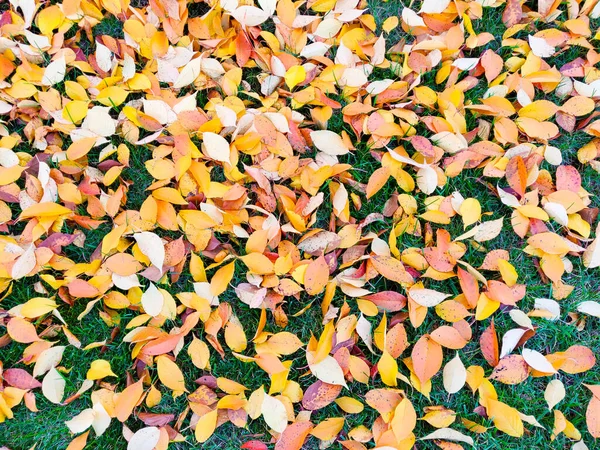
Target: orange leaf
[
  {"x": 427, "y": 358},
  {"x": 316, "y": 276}
]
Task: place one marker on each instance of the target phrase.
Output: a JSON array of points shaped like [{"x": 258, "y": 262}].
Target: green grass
[{"x": 46, "y": 429}]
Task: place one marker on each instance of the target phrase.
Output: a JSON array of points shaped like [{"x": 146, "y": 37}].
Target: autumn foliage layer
[{"x": 202, "y": 175}]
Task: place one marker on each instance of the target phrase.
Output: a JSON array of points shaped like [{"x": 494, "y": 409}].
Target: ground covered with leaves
[{"x": 288, "y": 225}]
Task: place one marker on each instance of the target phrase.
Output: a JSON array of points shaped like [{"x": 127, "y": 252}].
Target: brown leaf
[
  {"x": 318, "y": 395},
  {"x": 513, "y": 13}
]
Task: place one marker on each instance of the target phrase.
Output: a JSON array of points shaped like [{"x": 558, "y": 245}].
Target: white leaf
[
  {"x": 557, "y": 212},
  {"x": 212, "y": 67},
  {"x": 530, "y": 420},
  {"x": 455, "y": 375},
  {"x": 591, "y": 90},
  {"x": 48, "y": 359},
  {"x": 550, "y": 306},
  {"x": 53, "y": 386},
  {"x": 152, "y": 246},
  {"x": 540, "y": 47},
  {"x": 581, "y": 445},
  {"x": 314, "y": 49},
  {"x": 125, "y": 283},
  {"x": 564, "y": 88},
  {"x": 268, "y": 6},
  {"x": 279, "y": 120},
  {"x": 340, "y": 199},
  {"x": 188, "y": 74},
  {"x": 36, "y": 41},
  {"x": 427, "y": 179},
  {"x": 103, "y": 57},
  {"x": 520, "y": 318},
  {"x": 537, "y": 361},
  {"x": 55, "y": 72},
  {"x": 152, "y": 301},
  {"x": 8, "y": 158},
  {"x": 81, "y": 421},
  {"x": 450, "y": 142},
  {"x": 449, "y": 434},
  {"x": 229, "y": 5},
  {"x": 328, "y": 28},
  {"x": 379, "y": 51},
  {"x": 159, "y": 110},
  {"x": 363, "y": 328},
  {"x": 427, "y": 297},
  {"x": 250, "y": 16},
  {"x": 101, "y": 419},
  {"x": 523, "y": 97},
  {"x": 98, "y": 121},
  {"x": 216, "y": 147},
  {"x": 466, "y": 63},
  {"x": 274, "y": 413},
  {"x": 329, "y": 142},
  {"x": 227, "y": 116},
  {"x": 377, "y": 87},
  {"x": 434, "y": 6},
  {"x": 187, "y": 103},
  {"x": 5, "y": 107},
  {"x": 552, "y": 155},
  {"x": 353, "y": 77},
  {"x": 144, "y": 439},
  {"x": 591, "y": 255},
  {"x": 510, "y": 340},
  {"x": 25, "y": 263},
  {"x": 554, "y": 393},
  {"x": 483, "y": 232},
  {"x": 202, "y": 288},
  {"x": 412, "y": 19},
  {"x": 590, "y": 308},
  {"x": 328, "y": 371},
  {"x": 269, "y": 84},
  {"x": 507, "y": 198},
  {"x": 128, "y": 67},
  {"x": 28, "y": 8}
]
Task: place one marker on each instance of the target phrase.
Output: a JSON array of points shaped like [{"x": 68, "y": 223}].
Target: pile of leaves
[{"x": 267, "y": 129}]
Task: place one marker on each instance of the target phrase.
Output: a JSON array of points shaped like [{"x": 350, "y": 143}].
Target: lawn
[{"x": 46, "y": 428}]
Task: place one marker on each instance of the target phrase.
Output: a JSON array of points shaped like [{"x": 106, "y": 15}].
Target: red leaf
[
  {"x": 19, "y": 378},
  {"x": 254, "y": 445}
]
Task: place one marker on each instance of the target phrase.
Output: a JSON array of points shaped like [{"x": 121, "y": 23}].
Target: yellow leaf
[
  {"x": 112, "y": 96},
  {"x": 44, "y": 210},
  {"x": 199, "y": 353},
  {"x": 404, "y": 420},
  {"x": 294, "y": 76},
  {"x": 470, "y": 210},
  {"x": 170, "y": 374},
  {"x": 328, "y": 429},
  {"x": 350, "y": 405},
  {"x": 505, "y": 418},
  {"x": 235, "y": 337},
  {"x": 221, "y": 278},
  {"x": 388, "y": 369},
  {"x": 508, "y": 272},
  {"x": 75, "y": 111},
  {"x": 99, "y": 369},
  {"x": 37, "y": 307},
  {"x": 539, "y": 110}
]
